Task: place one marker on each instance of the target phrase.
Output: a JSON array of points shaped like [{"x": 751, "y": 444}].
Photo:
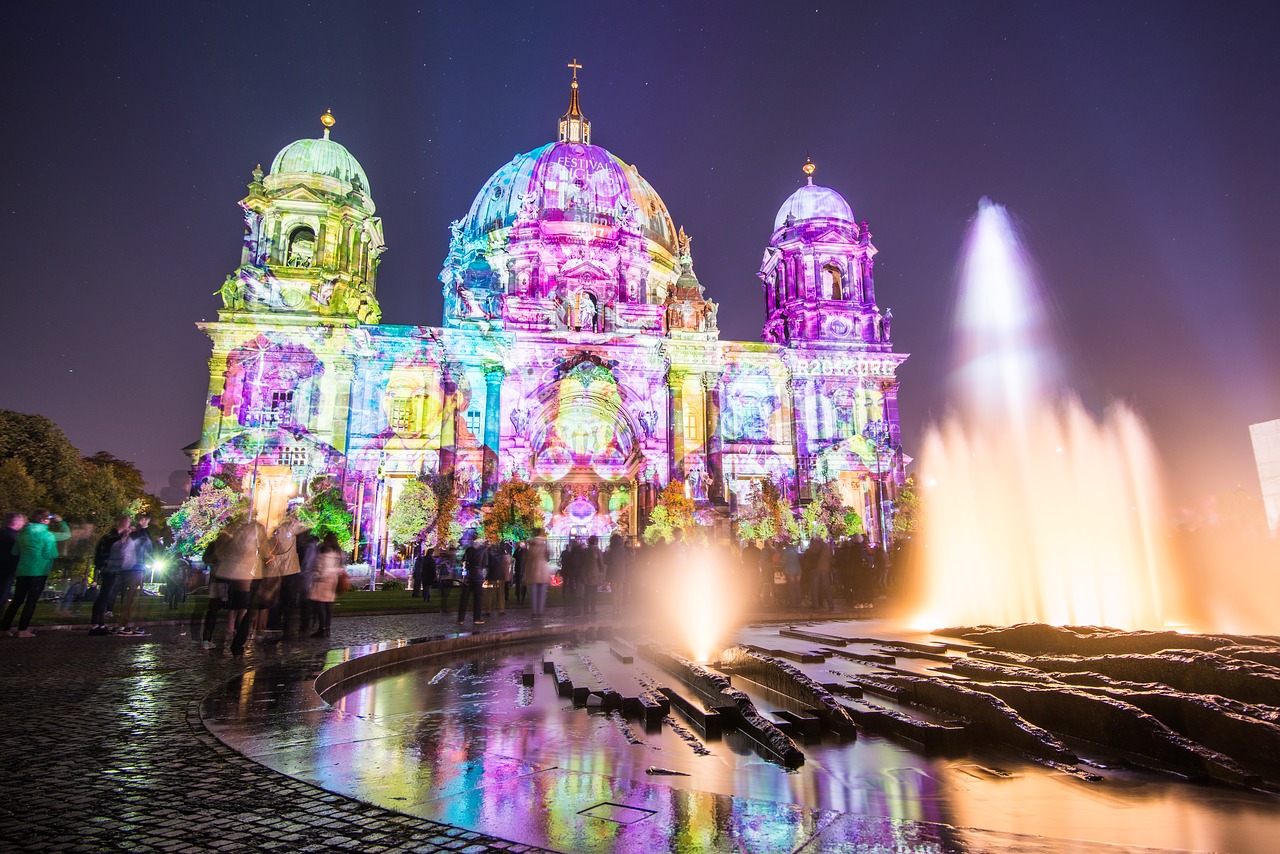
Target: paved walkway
[{"x": 103, "y": 750}]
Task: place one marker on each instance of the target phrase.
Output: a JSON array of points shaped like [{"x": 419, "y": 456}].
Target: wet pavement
[
  {"x": 103, "y": 750},
  {"x": 118, "y": 744}
]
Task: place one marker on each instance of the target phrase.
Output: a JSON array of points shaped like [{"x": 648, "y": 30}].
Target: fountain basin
[{"x": 447, "y": 729}]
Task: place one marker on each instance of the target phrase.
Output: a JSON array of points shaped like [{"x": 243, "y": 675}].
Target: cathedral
[{"x": 578, "y": 350}]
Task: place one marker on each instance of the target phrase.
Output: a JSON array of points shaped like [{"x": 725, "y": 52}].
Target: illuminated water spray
[{"x": 1033, "y": 510}]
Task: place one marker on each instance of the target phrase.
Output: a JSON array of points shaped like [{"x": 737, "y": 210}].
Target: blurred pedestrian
[
  {"x": 537, "y": 571},
  {"x": 285, "y": 610},
  {"x": 108, "y": 560},
  {"x": 499, "y": 573},
  {"x": 36, "y": 548},
  {"x": 424, "y": 573},
  {"x": 13, "y": 524},
  {"x": 617, "y": 574},
  {"x": 137, "y": 548},
  {"x": 330, "y": 563},
  {"x": 476, "y": 560},
  {"x": 791, "y": 572},
  {"x": 592, "y": 571},
  {"x": 518, "y": 557},
  {"x": 820, "y": 595},
  {"x": 242, "y": 567},
  {"x": 219, "y": 587}
]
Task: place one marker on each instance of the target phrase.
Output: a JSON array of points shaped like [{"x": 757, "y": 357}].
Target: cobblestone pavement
[{"x": 103, "y": 750}]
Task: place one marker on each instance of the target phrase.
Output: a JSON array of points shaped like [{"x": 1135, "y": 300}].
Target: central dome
[{"x": 571, "y": 183}]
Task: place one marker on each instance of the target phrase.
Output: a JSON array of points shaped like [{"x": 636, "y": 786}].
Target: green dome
[{"x": 320, "y": 157}]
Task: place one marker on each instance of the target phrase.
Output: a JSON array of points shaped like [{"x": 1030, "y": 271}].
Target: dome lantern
[{"x": 574, "y": 126}]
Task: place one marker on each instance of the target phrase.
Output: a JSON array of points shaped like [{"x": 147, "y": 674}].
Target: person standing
[
  {"x": 36, "y": 547},
  {"x": 13, "y": 524},
  {"x": 537, "y": 571},
  {"x": 285, "y": 565},
  {"x": 242, "y": 568},
  {"x": 107, "y": 563},
  {"x": 820, "y": 595},
  {"x": 218, "y": 588},
  {"x": 517, "y": 574},
  {"x": 330, "y": 562},
  {"x": 617, "y": 561},
  {"x": 475, "y": 560},
  {"x": 791, "y": 571},
  {"x": 308, "y": 548},
  {"x": 137, "y": 547},
  {"x": 424, "y": 574},
  {"x": 500, "y": 573},
  {"x": 591, "y": 570}
]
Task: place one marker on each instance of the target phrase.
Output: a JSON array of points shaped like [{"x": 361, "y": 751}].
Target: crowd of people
[
  {"x": 273, "y": 587},
  {"x": 774, "y": 575},
  {"x": 279, "y": 585}
]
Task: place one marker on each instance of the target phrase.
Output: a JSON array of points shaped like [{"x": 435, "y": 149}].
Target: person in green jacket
[{"x": 36, "y": 548}]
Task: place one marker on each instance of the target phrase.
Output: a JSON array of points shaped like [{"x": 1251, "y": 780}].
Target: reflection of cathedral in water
[{"x": 579, "y": 350}]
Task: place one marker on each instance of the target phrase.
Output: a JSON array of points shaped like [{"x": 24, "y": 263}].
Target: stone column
[
  {"x": 493, "y": 376},
  {"x": 675, "y": 395},
  {"x": 448, "y": 421},
  {"x": 711, "y": 428}
]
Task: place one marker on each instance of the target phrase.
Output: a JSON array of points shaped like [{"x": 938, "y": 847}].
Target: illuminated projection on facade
[{"x": 579, "y": 349}]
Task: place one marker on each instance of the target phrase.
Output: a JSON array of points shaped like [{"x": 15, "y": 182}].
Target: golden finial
[
  {"x": 808, "y": 168},
  {"x": 575, "y": 66},
  {"x": 328, "y": 121}
]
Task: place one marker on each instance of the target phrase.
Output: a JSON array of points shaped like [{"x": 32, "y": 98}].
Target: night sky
[{"x": 1138, "y": 144}]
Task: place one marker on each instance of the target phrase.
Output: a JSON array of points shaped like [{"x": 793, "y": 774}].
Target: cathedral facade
[{"x": 578, "y": 350}]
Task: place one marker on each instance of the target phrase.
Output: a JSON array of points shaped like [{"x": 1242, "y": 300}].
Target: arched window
[
  {"x": 832, "y": 282},
  {"x": 302, "y": 247}
]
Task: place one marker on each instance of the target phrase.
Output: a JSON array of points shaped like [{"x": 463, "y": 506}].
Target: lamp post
[{"x": 880, "y": 435}]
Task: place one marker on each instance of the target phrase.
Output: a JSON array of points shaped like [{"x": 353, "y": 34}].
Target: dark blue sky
[{"x": 1136, "y": 142}]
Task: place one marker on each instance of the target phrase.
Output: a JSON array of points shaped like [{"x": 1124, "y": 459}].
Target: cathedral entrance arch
[{"x": 584, "y": 452}]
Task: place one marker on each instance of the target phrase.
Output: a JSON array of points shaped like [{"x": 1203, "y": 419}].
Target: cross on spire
[{"x": 574, "y": 127}]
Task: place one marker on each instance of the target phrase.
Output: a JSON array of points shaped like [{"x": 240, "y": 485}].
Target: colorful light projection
[{"x": 579, "y": 350}]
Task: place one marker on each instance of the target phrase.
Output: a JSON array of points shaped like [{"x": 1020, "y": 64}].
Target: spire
[
  {"x": 328, "y": 121},
  {"x": 808, "y": 169},
  {"x": 574, "y": 126}
]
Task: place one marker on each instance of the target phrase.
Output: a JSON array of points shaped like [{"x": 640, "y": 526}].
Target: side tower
[
  {"x": 312, "y": 243},
  {"x": 284, "y": 344},
  {"x": 820, "y": 305}
]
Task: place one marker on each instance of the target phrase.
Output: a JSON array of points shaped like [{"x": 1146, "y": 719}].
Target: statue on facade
[
  {"x": 626, "y": 213},
  {"x": 587, "y": 312},
  {"x": 232, "y": 292},
  {"x": 697, "y": 480},
  {"x": 527, "y": 207}
]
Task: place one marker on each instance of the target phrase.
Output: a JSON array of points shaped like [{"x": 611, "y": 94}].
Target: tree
[
  {"x": 125, "y": 472},
  {"x": 413, "y": 515},
  {"x": 202, "y": 517},
  {"x": 448, "y": 532},
  {"x": 828, "y": 517},
  {"x": 18, "y": 490},
  {"x": 906, "y": 510},
  {"x": 673, "y": 511},
  {"x": 765, "y": 514},
  {"x": 515, "y": 512},
  {"x": 47, "y": 455},
  {"x": 326, "y": 512}
]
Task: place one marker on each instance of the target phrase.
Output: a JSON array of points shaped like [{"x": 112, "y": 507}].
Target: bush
[{"x": 393, "y": 584}]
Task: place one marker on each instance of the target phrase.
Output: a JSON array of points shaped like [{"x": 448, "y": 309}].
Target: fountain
[{"x": 1034, "y": 510}]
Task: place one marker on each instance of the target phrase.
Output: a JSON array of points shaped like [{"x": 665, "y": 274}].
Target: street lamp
[{"x": 879, "y": 434}]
